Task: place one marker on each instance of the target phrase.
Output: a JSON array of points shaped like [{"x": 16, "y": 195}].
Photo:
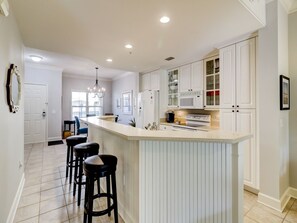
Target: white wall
[
  {"x": 273, "y": 123},
  {"x": 12, "y": 131},
  {"x": 127, "y": 82},
  {"x": 283, "y": 68},
  {"x": 293, "y": 112},
  {"x": 79, "y": 84},
  {"x": 52, "y": 77}
]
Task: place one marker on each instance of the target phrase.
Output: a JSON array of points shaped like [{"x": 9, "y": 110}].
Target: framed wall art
[
  {"x": 284, "y": 83},
  {"x": 127, "y": 103}
]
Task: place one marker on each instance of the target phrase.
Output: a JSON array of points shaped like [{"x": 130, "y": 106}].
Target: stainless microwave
[{"x": 191, "y": 99}]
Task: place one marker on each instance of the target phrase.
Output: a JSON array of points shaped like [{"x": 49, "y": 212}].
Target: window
[{"x": 84, "y": 103}]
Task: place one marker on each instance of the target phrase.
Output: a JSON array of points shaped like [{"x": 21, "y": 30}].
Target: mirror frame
[{"x": 13, "y": 105}]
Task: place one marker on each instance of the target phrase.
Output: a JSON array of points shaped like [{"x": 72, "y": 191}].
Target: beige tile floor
[{"x": 47, "y": 195}]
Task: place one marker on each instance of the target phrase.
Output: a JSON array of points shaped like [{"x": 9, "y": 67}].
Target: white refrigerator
[{"x": 148, "y": 108}]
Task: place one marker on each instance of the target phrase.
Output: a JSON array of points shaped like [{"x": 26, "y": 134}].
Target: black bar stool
[
  {"x": 71, "y": 142},
  {"x": 82, "y": 151},
  {"x": 96, "y": 167}
]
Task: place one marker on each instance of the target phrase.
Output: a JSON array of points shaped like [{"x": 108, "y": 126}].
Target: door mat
[{"x": 52, "y": 143}]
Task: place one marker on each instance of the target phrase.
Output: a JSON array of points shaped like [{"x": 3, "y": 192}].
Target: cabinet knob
[
  {"x": 237, "y": 110},
  {"x": 232, "y": 110},
  {"x": 237, "y": 106},
  {"x": 232, "y": 106}
]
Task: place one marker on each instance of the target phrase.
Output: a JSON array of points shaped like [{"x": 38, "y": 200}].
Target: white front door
[{"x": 35, "y": 113}]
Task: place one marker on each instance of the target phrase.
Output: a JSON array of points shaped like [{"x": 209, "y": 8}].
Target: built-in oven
[{"x": 191, "y": 99}]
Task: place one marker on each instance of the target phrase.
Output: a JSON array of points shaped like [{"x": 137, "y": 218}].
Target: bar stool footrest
[{"x": 102, "y": 212}]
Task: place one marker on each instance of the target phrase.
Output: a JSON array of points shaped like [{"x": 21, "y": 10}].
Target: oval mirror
[{"x": 13, "y": 88}]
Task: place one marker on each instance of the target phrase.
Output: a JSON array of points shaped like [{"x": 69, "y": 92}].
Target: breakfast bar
[{"x": 174, "y": 176}]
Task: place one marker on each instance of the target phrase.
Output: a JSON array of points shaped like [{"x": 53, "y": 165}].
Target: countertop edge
[{"x": 132, "y": 133}]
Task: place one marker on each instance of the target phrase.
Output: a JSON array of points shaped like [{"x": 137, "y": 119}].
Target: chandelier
[{"x": 97, "y": 90}]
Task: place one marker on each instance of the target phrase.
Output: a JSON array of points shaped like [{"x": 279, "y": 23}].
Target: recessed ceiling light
[
  {"x": 36, "y": 58},
  {"x": 128, "y": 46},
  {"x": 164, "y": 19},
  {"x": 109, "y": 60}
]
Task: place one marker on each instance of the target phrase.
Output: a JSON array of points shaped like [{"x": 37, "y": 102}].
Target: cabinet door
[
  {"x": 227, "y": 77},
  {"x": 212, "y": 83},
  {"x": 145, "y": 82},
  {"x": 185, "y": 78},
  {"x": 245, "y": 123},
  {"x": 155, "y": 81},
  {"x": 246, "y": 74},
  {"x": 227, "y": 120},
  {"x": 197, "y": 76}
]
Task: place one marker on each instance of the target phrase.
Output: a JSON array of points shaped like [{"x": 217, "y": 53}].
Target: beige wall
[
  {"x": 127, "y": 83},
  {"x": 82, "y": 84},
  {"x": 293, "y": 112},
  {"x": 273, "y": 123},
  {"x": 52, "y": 78},
  {"x": 12, "y": 130}
]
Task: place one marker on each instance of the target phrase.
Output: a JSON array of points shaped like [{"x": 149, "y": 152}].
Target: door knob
[{"x": 43, "y": 114}]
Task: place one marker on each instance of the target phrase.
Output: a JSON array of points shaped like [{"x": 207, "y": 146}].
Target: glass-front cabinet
[
  {"x": 173, "y": 76},
  {"x": 212, "y": 82}
]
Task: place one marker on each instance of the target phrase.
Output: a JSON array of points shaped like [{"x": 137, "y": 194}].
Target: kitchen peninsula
[{"x": 174, "y": 176}]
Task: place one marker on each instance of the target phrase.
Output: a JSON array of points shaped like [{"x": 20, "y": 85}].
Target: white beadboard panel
[
  {"x": 184, "y": 182},
  {"x": 127, "y": 173}
]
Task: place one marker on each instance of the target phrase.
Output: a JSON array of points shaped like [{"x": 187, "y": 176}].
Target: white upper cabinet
[
  {"x": 150, "y": 81},
  {"x": 212, "y": 83},
  {"x": 227, "y": 64},
  {"x": 185, "y": 78},
  {"x": 238, "y": 75},
  {"x": 246, "y": 74},
  {"x": 191, "y": 77},
  {"x": 197, "y": 76}
]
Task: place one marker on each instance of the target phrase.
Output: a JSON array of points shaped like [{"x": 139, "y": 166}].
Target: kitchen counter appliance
[
  {"x": 191, "y": 99},
  {"x": 198, "y": 120},
  {"x": 170, "y": 116}
]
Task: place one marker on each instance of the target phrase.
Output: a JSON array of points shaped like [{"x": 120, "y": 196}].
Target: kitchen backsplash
[{"x": 180, "y": 115}]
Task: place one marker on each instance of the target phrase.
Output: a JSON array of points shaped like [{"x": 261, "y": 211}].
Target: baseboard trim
[
  {"x": 126, "y": 217},
  {"x": 121, "y": 210},
  {"x": 251, "y": 189},
  {"x": 16, "y": 201},
  {"x": 54, "y": 138},
  {"x": 293, "y": 192},
  {"x": 277, "y": 204}
]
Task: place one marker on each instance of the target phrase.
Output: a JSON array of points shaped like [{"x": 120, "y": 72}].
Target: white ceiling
[{"x": 85, "y": 33}]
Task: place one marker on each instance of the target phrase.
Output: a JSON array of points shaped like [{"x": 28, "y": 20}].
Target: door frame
[{"x": 46, "y": 108}]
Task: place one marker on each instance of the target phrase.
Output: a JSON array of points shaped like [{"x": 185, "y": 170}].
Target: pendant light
[{"x": 97, "y": 90}]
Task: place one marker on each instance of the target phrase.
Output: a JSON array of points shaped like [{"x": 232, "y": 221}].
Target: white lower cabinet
[{"x": 244, "y": 121}]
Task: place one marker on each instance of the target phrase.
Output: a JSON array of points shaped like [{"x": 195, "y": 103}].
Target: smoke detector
[{"x": 4, "y": 7}]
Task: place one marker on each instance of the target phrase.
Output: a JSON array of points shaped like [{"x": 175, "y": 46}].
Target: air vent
[{"x": 169, "y": 58}]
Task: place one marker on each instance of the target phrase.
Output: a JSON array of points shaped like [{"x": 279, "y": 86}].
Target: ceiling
[{"x": 77, "y": 35}]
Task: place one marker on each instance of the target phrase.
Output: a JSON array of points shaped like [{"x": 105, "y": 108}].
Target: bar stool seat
[
  {"x": 82, "y": 151},
  {"x": 96, "y": 167},
  {"x": 71, "y": 142}
]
